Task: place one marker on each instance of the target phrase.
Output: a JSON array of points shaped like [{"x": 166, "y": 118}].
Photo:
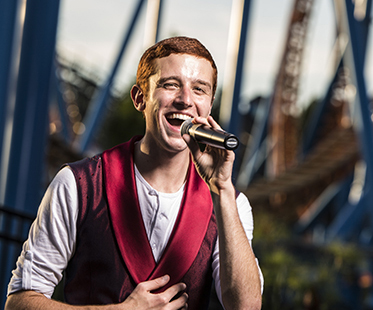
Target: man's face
[{"x": 181, "y": 88}]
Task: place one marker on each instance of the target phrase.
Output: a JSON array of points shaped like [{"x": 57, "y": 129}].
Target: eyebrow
[
  {"x": 165, "y": 79},
  {"x": 198, "y": 81}
]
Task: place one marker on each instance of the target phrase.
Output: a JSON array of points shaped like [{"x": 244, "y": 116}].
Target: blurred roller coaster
[{"x": 315, "y": 175}]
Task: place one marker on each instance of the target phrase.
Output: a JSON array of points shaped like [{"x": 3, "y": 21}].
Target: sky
[{"x": 91, "y": 32}]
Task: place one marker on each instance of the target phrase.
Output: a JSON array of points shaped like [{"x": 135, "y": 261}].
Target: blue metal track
[
  {"x": 8, "y": 13},
  {"x": 234, "y": 123},
  {"x": 30, "y": 127},
  {"x": 27, "y": 151},
  {"x": 350, "y": 218},
  {"x": 96, "y": 108}
]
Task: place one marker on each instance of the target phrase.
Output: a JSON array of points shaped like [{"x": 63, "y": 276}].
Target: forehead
[{"x": 184, "y": 66}]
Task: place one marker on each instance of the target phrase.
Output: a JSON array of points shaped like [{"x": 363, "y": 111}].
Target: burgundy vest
[{"x": 112, "y": 250}]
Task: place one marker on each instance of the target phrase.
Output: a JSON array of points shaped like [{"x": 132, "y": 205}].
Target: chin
[{"x": 177, "y": 146}]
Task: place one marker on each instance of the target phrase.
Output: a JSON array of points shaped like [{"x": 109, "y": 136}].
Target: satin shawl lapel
[
  {"x": 189, "y": 230},
  {"x": 125, "y": 211}
]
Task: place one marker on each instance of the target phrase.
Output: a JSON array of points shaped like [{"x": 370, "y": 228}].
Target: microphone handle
[{"x": 217, "y": 138}]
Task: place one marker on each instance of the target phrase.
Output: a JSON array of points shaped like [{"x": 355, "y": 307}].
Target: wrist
[{"x": 218, "y": 186}]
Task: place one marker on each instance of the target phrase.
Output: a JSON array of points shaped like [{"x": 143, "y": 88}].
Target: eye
[
  {"x": 170, "y": 86},
  {"x": 200, "y": 90}
]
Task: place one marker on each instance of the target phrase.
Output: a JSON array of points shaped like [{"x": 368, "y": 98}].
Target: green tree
[{"x": 121, "y": 122}]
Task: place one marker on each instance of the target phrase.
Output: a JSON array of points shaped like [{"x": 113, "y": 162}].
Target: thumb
[{"x": 192, "y": 145}]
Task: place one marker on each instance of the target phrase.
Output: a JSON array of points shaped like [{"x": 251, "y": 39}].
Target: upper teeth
[{"x": 179, "y": 116}]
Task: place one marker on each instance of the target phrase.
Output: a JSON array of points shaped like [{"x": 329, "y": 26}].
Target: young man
[{"x": 150, "y": 223}]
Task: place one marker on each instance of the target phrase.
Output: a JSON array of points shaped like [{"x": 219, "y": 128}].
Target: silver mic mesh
[{"x": 185, "y": 126}]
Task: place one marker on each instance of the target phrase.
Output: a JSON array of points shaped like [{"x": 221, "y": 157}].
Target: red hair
[{"x": 164, "y": 48}]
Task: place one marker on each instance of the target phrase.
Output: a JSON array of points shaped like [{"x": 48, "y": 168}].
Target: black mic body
[{"x": 207, "y": 135}]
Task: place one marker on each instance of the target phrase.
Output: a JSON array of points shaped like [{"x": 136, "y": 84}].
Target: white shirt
[{"x": 52, "y": 236}]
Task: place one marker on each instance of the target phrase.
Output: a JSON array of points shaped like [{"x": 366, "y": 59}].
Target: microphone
[{"x": 207, "y": 135}]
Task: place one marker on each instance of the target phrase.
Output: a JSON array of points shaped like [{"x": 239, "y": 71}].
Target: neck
[{"x": 164, "y": 171}]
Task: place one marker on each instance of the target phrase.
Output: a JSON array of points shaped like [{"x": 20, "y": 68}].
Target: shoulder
[
  {"x": 62, "y": 187},
  {"x": 85, "y": 164},
  {"x": 65, "y": 176},
  {"x": 61, "y": 195}
]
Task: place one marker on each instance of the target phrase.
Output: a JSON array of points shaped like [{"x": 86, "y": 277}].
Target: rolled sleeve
[{"x": 51, "y": 239}]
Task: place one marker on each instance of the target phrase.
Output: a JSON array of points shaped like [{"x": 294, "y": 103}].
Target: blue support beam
[
  {"x": 96, "y": 108},
  {"x": 310, "y": 134},
  {"x": 351, "y": 216},
  {"x": 8, "y": 18},
  {"x": 23, "y": 188},
  {"x": 255, "y": 153},
  {"x": 321, "y": 207},
  {"x": 347, "y": 224},
  {"x": 234, "y": 123},
  {"x": 160, "y": 11},
  {"x": 358, "y": 36},
  {"x": 24, "y": 180},
  {"x": 9, "y": 10}
]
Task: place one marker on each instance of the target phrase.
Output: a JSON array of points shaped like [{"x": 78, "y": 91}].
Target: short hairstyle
[{"x": 166, "y": 47}]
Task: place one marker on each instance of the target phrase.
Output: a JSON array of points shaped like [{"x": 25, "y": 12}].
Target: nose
[{"x": 185, "y": 97}]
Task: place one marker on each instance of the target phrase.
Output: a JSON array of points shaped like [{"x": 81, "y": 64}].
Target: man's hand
[
  {"x": 143, "y": 298},
  {"x": 213, "y": 164}
]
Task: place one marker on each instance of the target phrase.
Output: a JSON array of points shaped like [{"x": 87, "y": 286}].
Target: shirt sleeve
[
  {"x": 246, "y": 217},
  {"x": 51, "y": 239}
]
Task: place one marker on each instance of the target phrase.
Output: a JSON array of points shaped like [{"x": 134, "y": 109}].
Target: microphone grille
[{"x": 184, "y": 129}]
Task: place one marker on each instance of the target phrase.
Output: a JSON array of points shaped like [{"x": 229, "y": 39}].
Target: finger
[
  {"x": 200, "y": 120},
  {"x": 192, "y": 145},
  {"x": 174, "y": 292},
  {"x": 209, "y": 121},
  {"x": 180, "y": 302},
  {"x": 213, "y": 123},
  {"x": 155, "y": 284}
]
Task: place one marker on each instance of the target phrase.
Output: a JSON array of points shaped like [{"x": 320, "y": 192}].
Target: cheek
[
  {"x": 162, "y": 99},
  {"x": 204, "y": 108},
  {"x": 150, "y": 112}
]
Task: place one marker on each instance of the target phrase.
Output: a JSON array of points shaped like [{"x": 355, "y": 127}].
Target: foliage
[
  {"x": 121, "y": 122},
  {"x": 301, "y": 275}
]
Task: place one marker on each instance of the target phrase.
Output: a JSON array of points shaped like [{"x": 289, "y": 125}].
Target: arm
[
  {"x": 246, "y": 218},
  {"x": 239, "y": 275},
  {"x": 141, "y": 298}
]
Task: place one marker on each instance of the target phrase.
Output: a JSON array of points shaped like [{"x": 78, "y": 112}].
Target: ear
[{"x": 137, "y": 96}]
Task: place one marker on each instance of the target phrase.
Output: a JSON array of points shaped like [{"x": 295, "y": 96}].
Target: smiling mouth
[{"x": 176, "y": 119}]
